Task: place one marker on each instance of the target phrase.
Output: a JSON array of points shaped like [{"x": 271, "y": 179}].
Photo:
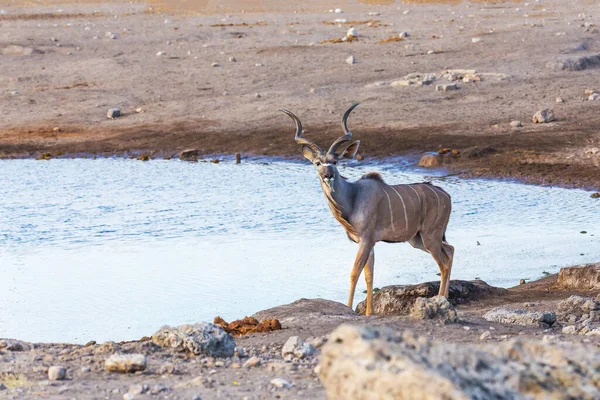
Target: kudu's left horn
[{"x": 347, "y": 134}]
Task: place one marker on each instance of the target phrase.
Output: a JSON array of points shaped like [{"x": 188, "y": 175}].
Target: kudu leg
[
  {"x": 442, "y": 254},
  {"x": 364, "y": 251},
  {"x": 448, "y": 251},
  {"x": 369, "y": 270}
]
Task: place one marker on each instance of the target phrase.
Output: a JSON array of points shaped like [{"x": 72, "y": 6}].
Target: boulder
[
  {"x": 113, "y": 113},
  {"x": 14, "y": 345},
  {"x": 543, "y": 116},
  {"x": 430, "y": 159},
  {"x": 436, "y": 307},
  {"x": 201, "y": 338},
  {"x": 578, "y": 305},
  {"x": 189, "y": 155},
  {"x": 399, "y": 299},
  {"x": 367, "y": 363},
  {"x": 125, "y": 363},
  {"x": 520, "y": 317},
  {"x": 57, "y": 373},
  {"x": 305, "y": 308},
  {"x": 583, "y": 277}
]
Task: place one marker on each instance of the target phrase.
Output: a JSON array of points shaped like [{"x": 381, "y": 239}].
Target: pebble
[
  {"x": 338, "y": 11},
  {"x": 138, "y": 389},
  {"x": 56, "y": 129},
  {"x": 291, "y": 345},
  {"x": 139, "y": 110},
  {"x": 232, "y": 59},
  {"x": 485, "y": 335},
  {"x": 560, "y": 100},
  {"x": 156, "y": 389},
  {"x": 86, "y": 370},
  {"x": 516, "y": 124},
  {"x": 352, "y": 32},
  {"x": 128, "y": 396},
  {"x": 215, "y": 64},
  {"x": 257, "y": 95},
  {"x": 113, "y": 113},
  {"x": 476, "y": 40},
  {"x": 595, "y": 195},
  {"x": 446, "y": 87},
  {"x": 350, "y": 60},
  {"x": 430, "y": 52},
  {"x": 160, "y": 53},
  {"x": 57, "y": 373},
  {"x": 14, "y": 92},
  {"x": 403, "y": 35},
  {"x": 2, "y": 387},
  {"x": 594, "y": 96},
  {"x": 252, "y": 362},
  {"x": 196, "y": 397},
  {"x": 281, "y": 383}
]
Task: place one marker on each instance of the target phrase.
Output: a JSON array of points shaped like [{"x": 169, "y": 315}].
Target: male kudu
[{"x": 372, "y": 211}]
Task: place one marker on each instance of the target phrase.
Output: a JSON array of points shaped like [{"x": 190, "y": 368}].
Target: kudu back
[{"x": 372, "y": 211}]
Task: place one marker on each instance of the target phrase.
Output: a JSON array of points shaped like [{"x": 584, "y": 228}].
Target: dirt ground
[{"x": 57, "y": 87}]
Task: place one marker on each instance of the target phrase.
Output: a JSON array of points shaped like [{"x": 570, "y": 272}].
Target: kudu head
[{"x": 342, "y": 147}]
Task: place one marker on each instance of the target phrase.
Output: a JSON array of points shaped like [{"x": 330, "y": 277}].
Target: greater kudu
[{"x": 372, "y": 211}]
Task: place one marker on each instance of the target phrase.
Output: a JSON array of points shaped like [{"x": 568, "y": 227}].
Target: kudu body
[{"x": 371, "y": 211}]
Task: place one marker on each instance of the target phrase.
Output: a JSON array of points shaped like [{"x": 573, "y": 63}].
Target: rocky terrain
[
  {"x": 152, "y": 79},
  {"x": 533, "y": 341}
]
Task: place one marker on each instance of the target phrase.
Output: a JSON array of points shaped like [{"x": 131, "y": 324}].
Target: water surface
[{"x": 113, "y": 249}]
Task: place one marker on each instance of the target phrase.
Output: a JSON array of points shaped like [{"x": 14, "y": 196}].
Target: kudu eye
[{"x": 317, "y": 163}]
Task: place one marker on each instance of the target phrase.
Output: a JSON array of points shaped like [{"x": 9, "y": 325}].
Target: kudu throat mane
[{"x": 338, "y": 214}]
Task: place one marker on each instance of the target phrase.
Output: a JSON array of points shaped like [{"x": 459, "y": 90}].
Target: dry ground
[{"x": 76, "y": 73}]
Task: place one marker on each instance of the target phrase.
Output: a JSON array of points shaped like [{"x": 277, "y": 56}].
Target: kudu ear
[
  {"x": 308, "y": 153},
  {"x": 351, "y": 150}
]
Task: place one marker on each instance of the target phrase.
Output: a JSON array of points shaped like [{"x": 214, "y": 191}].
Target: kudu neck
[{"x": 342, "y": 193}]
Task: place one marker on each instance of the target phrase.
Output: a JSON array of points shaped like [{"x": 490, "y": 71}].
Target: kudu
[{"x": 372, "y": 211}]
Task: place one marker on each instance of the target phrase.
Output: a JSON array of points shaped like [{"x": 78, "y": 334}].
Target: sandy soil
[{"x": 55, "y": 99}]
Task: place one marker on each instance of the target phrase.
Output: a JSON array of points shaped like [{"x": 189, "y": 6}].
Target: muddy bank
[
  {"x": 215, "y": 82},
  {"x": 559, "y": 310}
]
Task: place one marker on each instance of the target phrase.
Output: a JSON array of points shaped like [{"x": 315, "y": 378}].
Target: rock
[
  {"x": 576, "y": 64},
  {"x": 350, "y": 60},
  {"x": 403, "y": 35},
  {"x": 14, "y": 345},
  {"x": 578, "y": 305},
  {"x": 14, "y": 50},
  {"x": 560, "y": 100},
  {"x": 485, "y": 335},
  {"x": 232, "y": 59},
  {"x": 520, "y": 317},
  {"x": 247, "y": 326},
  {"x": 543, "y": 116},
  {"x": 189, "y": 155},
  {"x": 2, "y": 387},
  {"x": 595, "y": 195},
  {"x": 129, "y": 396},
  {"x": 585, "y": 277},
  {"x": 157, "y": 389},
  {"x": 594, "y": 96},
  {"x": 252, "y": 362},
  {"x": 446, "y": 87},
  {"x": 201, "y": 338},
  {"x": 304, "y": 309},
  {"x": 434, "y": 308},
  {"x": 113, "y": 113},
  {"x": 516, "y": 124},
  {"x": 363, "y": 363},
  {"x": 215, "y": 64},
  {"x": 125, "y": 363},
  {"x": 281, "y": 383},
  {"x": 160, "y": 53},
  {"x": 477, "y": 152},
  {"x": 430, "y": 159},
  {"x": 306, "y": 350},
  {"x": 291, "y": 345},
  {"x": 138, "y": 389},
  {"x": 85, "y": 370},
  {"x": 57, "y": 373},
  {"x": 352, "y": 33},
  {"x": 476, "y": 40},
  {"x": 399, "y": 299},
  {"x": 569, "y": 330}
]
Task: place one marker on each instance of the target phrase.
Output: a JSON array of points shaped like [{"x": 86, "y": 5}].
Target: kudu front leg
[
  {"x": 369, "y": 270},
  {"x": 364, "y": 250}
]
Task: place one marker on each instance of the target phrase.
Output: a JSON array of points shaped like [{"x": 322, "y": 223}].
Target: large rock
[
  {"x": 201, "y": 338},
  {"x": 430, "y": 159},
  {"x": 434, "y": 308},
  {"x": 543, "y": 116},
  {"x": 520, "y": 317},
  {"x": 399, "y": 299},
  {"x": 578, "y": 305},
  {"x": 365, "y": 363},
  {"x": 585, "y": 277},
  {"x": 14, "y": 345},
  {"x": 305, "y": 308},
  {"x": 125, "y": 363},
  {"x": 189, "y": 155}
]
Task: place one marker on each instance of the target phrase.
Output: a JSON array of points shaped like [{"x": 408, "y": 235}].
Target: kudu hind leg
[
  {"x": 364, "y": 251},
  {"x": 442, "y": 254}
]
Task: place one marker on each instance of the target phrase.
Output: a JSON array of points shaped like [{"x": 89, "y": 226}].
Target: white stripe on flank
[
  {"x": 438, "y": 199},
  {"x": 424, "y": 203},
  {"x": 403, "y": 206},
  {"x": 417, "y": 193},
  {"x": 391, "y": 212}
]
